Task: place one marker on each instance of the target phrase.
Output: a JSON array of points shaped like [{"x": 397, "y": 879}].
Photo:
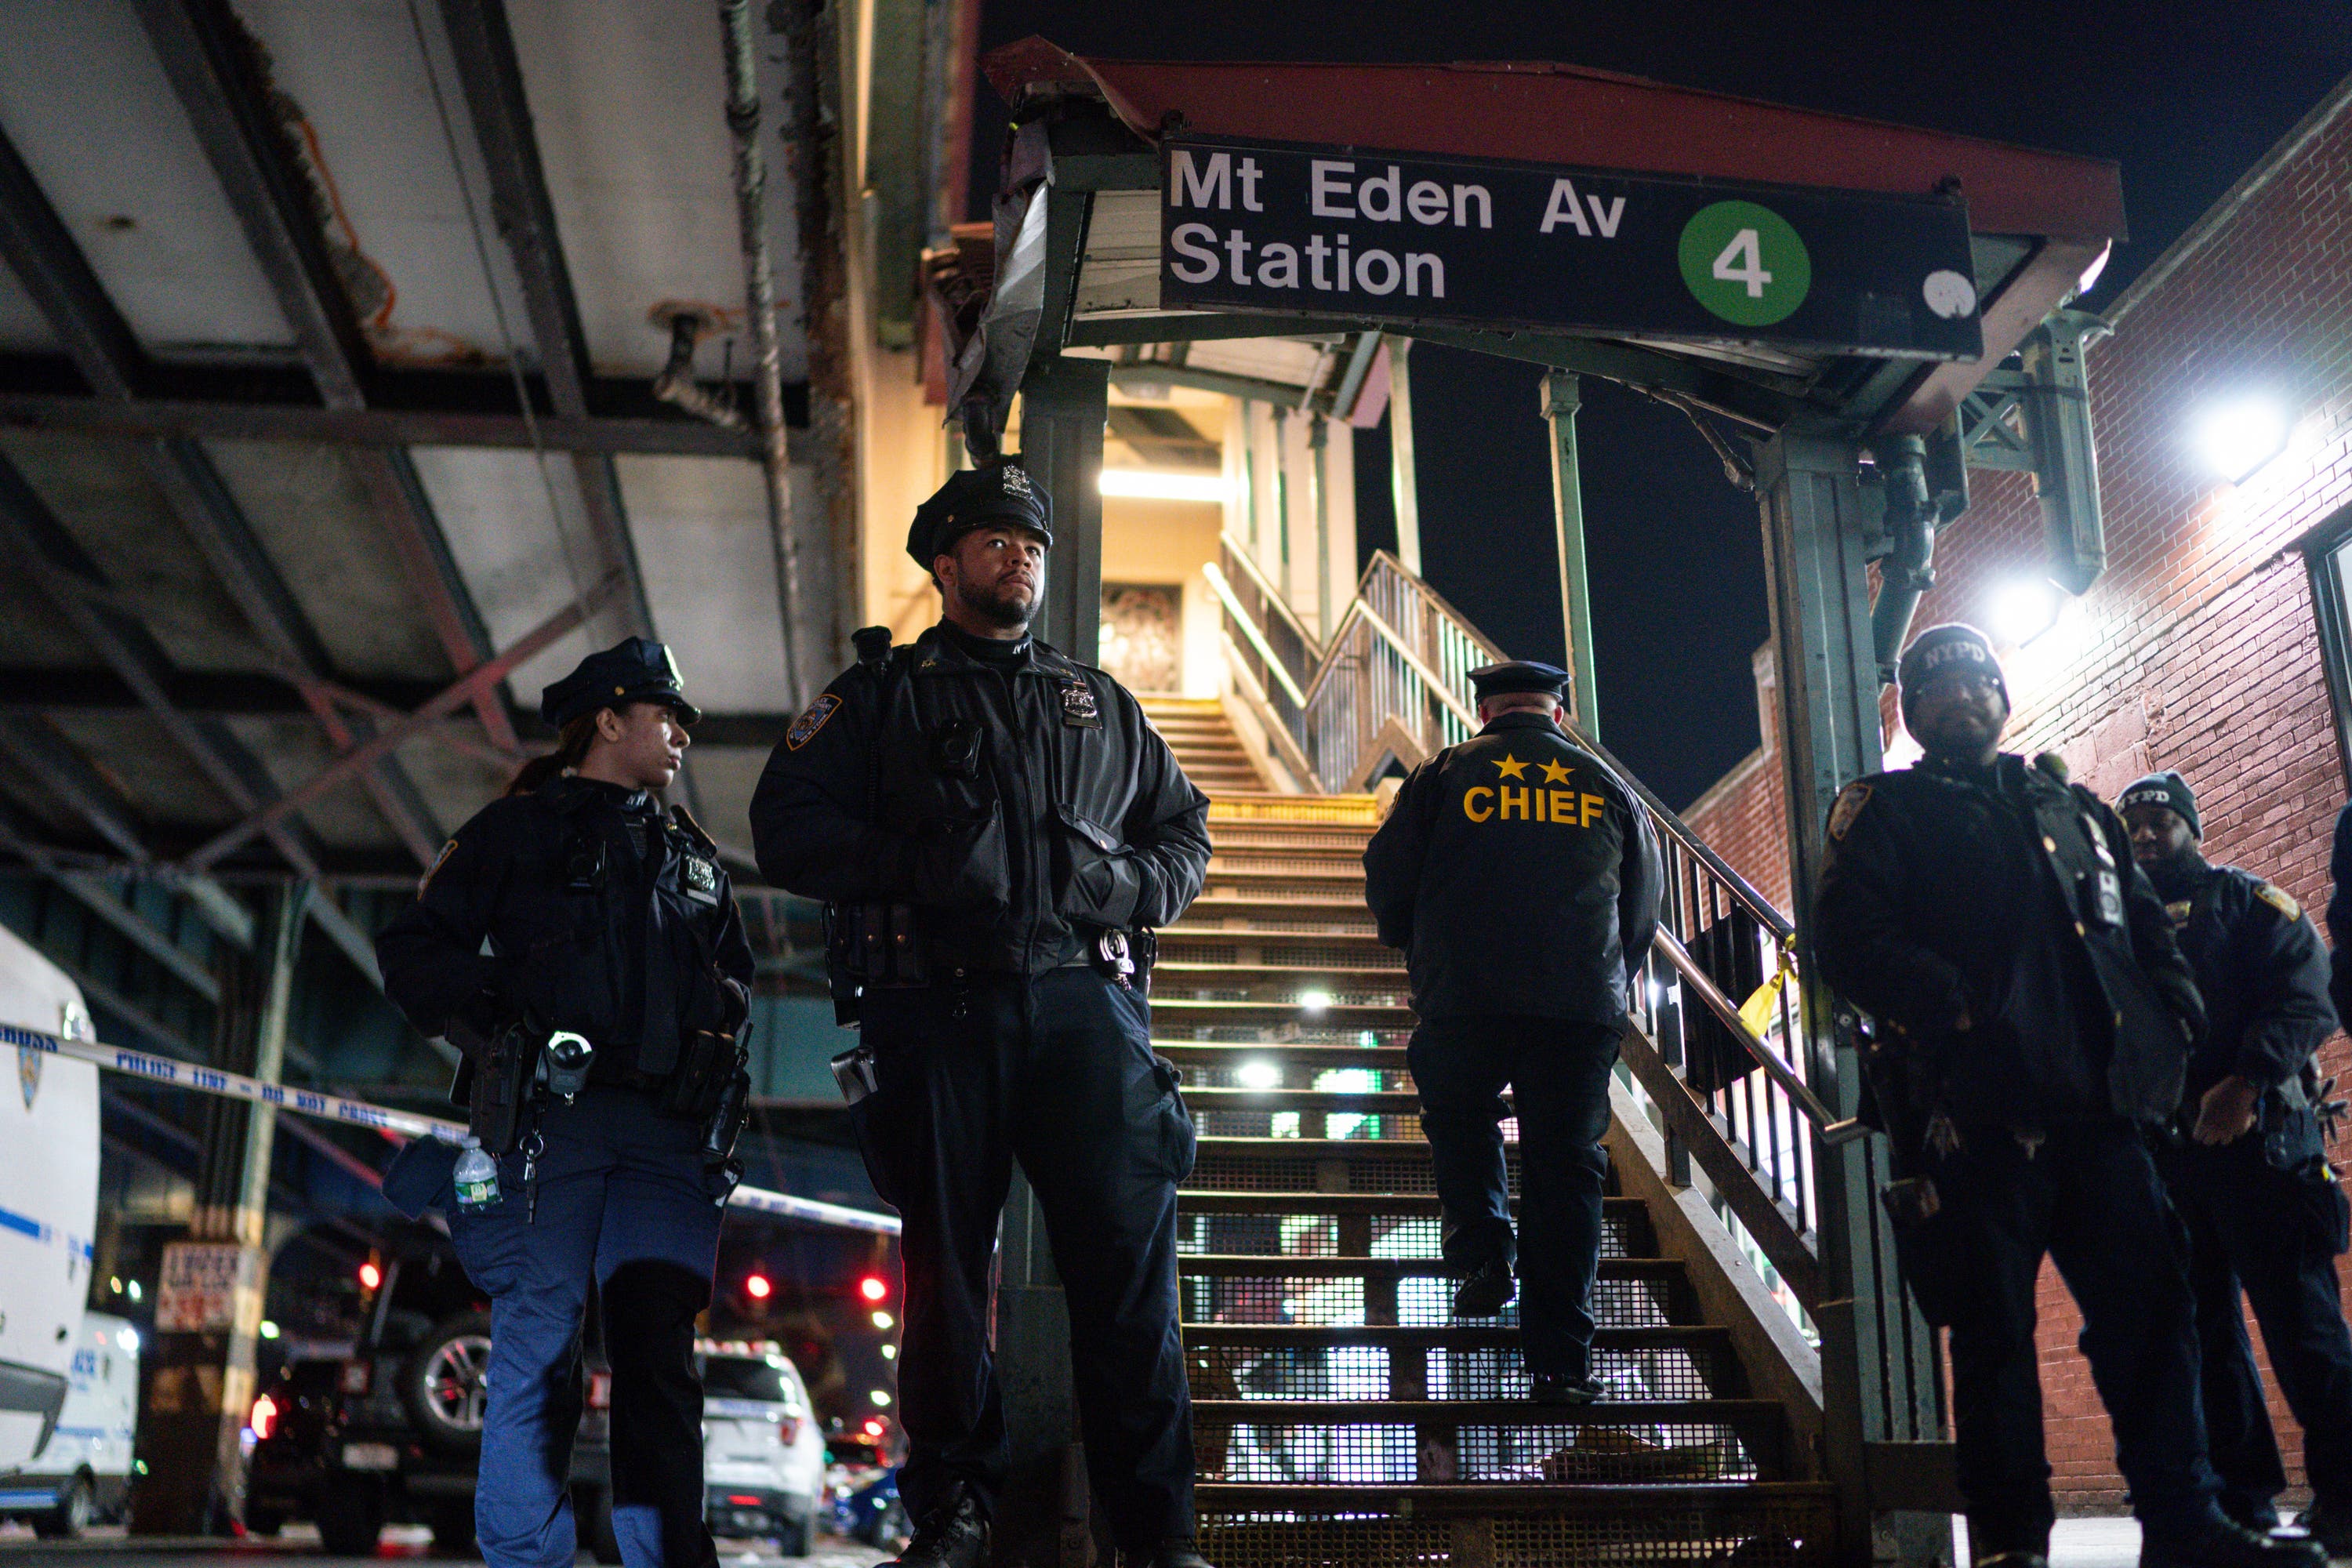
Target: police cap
[
  {"x": 997, "y": 494},
  {"x": 2167, "y": 789},
  {"x": 633, "y": 671},
  {"x": 1518, "y": 675}
]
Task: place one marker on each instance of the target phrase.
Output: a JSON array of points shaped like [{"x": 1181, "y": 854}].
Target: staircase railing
[{"x": 1393, "y": 682}]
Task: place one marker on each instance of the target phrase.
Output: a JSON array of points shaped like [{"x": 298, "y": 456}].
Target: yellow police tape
[{"x": 360, "y": 1113}]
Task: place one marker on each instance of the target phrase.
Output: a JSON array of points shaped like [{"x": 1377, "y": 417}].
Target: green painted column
[{"x": 1561, "y": 403}]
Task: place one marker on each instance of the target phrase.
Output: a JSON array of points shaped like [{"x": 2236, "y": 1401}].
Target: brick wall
[{"x": 2198, "y": 649}]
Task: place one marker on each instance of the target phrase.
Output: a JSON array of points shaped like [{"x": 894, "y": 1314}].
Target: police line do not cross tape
[{"x": 360, "y": 1113}]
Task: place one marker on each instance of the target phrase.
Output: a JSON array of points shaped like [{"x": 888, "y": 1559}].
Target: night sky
[{"x": 2184, "y": 103}]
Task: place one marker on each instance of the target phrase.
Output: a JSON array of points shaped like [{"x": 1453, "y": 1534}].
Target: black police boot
[
  {"x": 2222, "y": 1544},
  {"x": 1176, "y": 1553},
  {"x": 1483, "y": 1293},
  {"x": 2329, "y": 1522},
  {"x": 1559, "y": 1388},
  {"x": 952, "y": 1535}
]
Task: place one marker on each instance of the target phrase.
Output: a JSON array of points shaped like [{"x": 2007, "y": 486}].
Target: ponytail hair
[{"x": 570, "y": 750}]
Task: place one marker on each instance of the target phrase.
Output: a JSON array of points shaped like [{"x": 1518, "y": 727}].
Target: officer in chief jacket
[
  {"x": 574, "y": 904},
  {"x": 997, "y": 829},
  {"x": 1521, "y": 877},
  {"x": 2033, "y": 1017},
  {"x": 2248, "y": 1172}
]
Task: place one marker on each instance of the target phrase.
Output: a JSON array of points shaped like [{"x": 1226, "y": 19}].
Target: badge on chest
[
  {"x": 1079, "y": 710},
  {"x": 701, "y": 878}
]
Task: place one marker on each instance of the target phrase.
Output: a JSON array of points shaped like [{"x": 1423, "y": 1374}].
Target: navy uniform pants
[
  {"x": 2088, "y": 1197},
  {"x": 1056, "y": 1072},
  {"x": 624, "y": 1207},
  {"x": 2273, "y": 1235},
  {"x": 1558, "y": 1073}
]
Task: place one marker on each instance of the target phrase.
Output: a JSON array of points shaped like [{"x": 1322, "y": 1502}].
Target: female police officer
[{"x": 573, "y": 905}]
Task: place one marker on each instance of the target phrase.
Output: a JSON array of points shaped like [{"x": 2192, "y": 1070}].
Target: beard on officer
[
  {"x": 2031, "y": 1016},
  {"x": 997, "y": 832},
  {"x": 584, "y": 951}
]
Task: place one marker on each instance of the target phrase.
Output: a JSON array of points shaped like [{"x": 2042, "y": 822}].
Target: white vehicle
[
  {"x": 84, "y": 1470},
  {"x": 48, "y": 1203},
  {"x": 762, "y": 1456}
]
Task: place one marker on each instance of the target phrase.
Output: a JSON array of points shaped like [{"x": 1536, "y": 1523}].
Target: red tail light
[
  {"x": 788, "y": 1431},
  {"x": 744, "y": 1500},
  {"x": 264, "y": 1418},
  {"x": 600, "y": 1390},
  {"x": 357, "y": 1378}
]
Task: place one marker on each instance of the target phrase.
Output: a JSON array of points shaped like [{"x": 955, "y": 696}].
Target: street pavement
[{"x": 297, "y": 1546}]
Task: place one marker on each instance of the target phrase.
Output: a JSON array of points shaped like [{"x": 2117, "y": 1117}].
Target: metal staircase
[{"x": 1341, "y": 1416}]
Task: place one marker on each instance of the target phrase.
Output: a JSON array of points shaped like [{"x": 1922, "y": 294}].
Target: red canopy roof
[{"x": 1566, "y": 114}]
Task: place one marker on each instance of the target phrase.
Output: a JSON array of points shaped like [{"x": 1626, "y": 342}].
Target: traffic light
[
  {"x": 369, "y": 1276},
  {"x": 873, "y": 1288},
  {"x": 758, "y": 1286}
]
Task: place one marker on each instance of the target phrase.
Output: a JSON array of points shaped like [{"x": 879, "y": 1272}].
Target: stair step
[
  {"x": 1292, "y": 1266},
  {"x": 1205, "y": 973},
  {"x": 1368, "y": 1102},
  {"x": 1519, "y": 1524},
  {"x": 1342, "y": 1014},
  {"x": 1225, "y": 1056},
  {"x": 1389, "y": 1336},
  {"x": 1403, "y": 1205}
]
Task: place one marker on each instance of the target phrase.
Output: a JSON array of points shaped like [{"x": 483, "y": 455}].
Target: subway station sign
[{"x": 1363, "y": 235}]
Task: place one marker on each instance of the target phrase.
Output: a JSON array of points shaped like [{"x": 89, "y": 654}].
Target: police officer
[
  {"x": 1521, "y": 877},
  {"x": 2033, "y": 1017},
  {"x": 997, "y": 830},
  {"x": 574, "y": 907},
  {"x": 2250, "y": 1178}
]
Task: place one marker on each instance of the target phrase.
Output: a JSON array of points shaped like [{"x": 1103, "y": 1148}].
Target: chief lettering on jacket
[{"x": 1540, "y": 799}]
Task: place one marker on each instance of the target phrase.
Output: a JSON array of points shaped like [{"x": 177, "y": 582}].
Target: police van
[
  {"x": 48, "y": 1216},
  {"x": 83, "y": 1473}
]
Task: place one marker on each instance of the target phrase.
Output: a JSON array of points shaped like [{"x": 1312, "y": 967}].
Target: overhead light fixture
[
  {"x": 2237, "y": 437},
  {"x": 1159, "y": 484},
  {"x": 1258, "y": 1074},
  {"x": 2089, "y": 278},
  {"x": 1314, "y": 1000},
  {"x": 2024, "y": 610}
]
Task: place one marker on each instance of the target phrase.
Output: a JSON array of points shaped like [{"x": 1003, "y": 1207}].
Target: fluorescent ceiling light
[
  {"x": 1258, "y": 1073},
  {"x": 2237, "y": 438},
  {"x": 1155, "y": 484}
]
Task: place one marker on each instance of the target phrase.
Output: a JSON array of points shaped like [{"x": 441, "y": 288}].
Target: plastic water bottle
[{"x": 477, "y": 1177}]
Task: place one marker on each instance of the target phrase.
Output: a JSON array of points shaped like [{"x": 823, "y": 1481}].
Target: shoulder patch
[
  {"x": 438, "y": 860},
  {"x": 1849, "y": 801},
  {"x": 806, "y": 727},
  {"x": 2276, "y": 898}
]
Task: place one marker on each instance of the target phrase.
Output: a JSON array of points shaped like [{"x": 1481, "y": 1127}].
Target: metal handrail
[
  {"x": 1398, "y": 658},
  {"x": 1264, "y": 585},
  {"x": 1225, "y": 592}
]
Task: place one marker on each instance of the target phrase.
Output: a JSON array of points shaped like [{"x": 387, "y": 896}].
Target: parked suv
[
  {"x": 762, "y": 1456},
  {"x": 391, "y": 1431}
]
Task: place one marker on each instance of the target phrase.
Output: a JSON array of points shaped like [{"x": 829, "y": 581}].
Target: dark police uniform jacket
[
  {"x": 1934, "y": 886},
  {"x": 581, "y": 905},
  {"x": 1520, "y": 876},
  {"x": 2263, "y": 974},
  {"x": 1020, "y": 810}
]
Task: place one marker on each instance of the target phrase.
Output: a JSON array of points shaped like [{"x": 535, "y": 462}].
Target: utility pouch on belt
[
  {"x": 726, "y": 1123},
  {"x": 502, "y": 1089},
  {"x": 706, "y": 1063},
  {"x": 838, "y": 977},
  {"x": 887, "y": 945}
]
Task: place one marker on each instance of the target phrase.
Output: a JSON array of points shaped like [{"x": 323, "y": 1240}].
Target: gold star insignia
[
  {"x": 1512, "y": 768},
  {"x": 1555, "y": 773}
]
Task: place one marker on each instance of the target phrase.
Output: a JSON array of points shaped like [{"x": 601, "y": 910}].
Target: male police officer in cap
[
  {"x": 2250, "y": 1177},
  {"x": 1521, "y": 877},
  {"x": 997, "y": 830},
  {"x": 584, "y": 951},
  {"x": 2032, "y": 1018}
]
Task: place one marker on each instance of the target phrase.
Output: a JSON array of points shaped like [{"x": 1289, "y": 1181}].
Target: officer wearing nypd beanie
[
  {"x": 1521, "y": 877},
  {"x": 2249, "y": 1174},
  {"x": 996, "y": 831},
  {"x": 574, "y": 904},
  {"x": 2032, "y": 1017}
]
